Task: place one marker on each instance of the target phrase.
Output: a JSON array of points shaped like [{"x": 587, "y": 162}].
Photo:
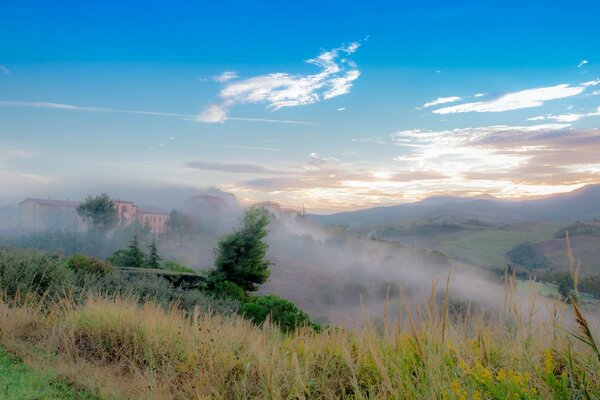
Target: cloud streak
[
  {"x": 571, "y": 117},
  {"x": 440, "y": 100},
  {"x": 4, "y": 70},
  {"x": 70, "y": 107},
  {"x": 230, "y": 167},
  {"x": 278, "y": 90},
  {"x": 518, "y": 100}
]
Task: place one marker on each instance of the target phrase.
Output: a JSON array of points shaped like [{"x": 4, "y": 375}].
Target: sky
[{"x": 328, "y": 105}]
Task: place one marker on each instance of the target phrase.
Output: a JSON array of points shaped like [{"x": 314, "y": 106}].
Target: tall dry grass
[{"x": 146, "y": 352}]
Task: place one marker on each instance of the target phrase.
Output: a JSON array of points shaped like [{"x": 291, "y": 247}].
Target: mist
[{"x": 332, "y": 274}]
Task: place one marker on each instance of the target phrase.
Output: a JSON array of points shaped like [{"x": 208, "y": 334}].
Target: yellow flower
[
  {"x": 501, "y": 375},
  {"x": 548, "y": 361}
]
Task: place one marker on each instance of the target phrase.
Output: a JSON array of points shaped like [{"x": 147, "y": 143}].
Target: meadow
[{"x": 127, "y": 347}]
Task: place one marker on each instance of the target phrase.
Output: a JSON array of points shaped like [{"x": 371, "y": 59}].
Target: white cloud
[
  {"x": 281, "y": 89},
  {"x": 582, "y": 63},
  {"x": 4, "y": 70},
  {"x": 571, "y": 117},
  {"x": 440, "y": 100},
  {"x": 457, "y": 151},
  {"x": 213, "y": 113},
  {"x": 342, "y": 109},
  {"x": 517, "y": 100},
  {"x": 225, "y": 76},
  {"x": 479, "y": 95}
]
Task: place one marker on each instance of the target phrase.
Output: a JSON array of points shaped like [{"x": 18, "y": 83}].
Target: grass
[
  {"x": 17, "y": 382},
  {"x": 545, "y": 289},
  {"x": 488, "y": 247},
  {"x": 133, "y": 351}
]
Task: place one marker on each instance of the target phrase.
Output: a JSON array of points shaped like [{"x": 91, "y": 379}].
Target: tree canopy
[{"x": 99, "y": 211}]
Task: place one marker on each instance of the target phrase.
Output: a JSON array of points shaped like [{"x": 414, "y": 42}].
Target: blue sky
[{"x": 335, "y": 105}]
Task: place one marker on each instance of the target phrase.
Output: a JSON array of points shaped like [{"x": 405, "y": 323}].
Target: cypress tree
[{"x": 153, "y": 256}]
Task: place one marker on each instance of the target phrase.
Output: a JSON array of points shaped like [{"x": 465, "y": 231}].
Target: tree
[
  {"x": 565, "y": 286},
  {"x": 99, "y": 211},
  {"x": 180, "y": 224},
  {"x": 239, "y": 257},
  {"x": 153, "y": 256},
  {"x": 527, "y": 255},
  {"x": 132, "y": 256}
]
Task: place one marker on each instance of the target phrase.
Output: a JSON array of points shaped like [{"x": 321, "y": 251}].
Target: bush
[
  {"x": 229, "y": 290},
  {"x": 282, "y": 312},
  {"x": 28, "y": 271},
  {"x": 176, "y": 267},
  {"x": 89, "y": 265},
  {"x": 527, "y": 255}
]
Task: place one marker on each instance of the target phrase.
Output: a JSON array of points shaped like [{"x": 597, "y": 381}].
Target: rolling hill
[{"x": 580, "y": 204}]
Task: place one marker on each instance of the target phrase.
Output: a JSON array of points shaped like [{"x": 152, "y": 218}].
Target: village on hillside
[{"x": 38, "y": 214}]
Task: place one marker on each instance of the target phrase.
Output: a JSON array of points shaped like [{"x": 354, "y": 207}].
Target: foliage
[
  {"x": 89, "y": 265},
  {"x": 180, "y": 224},
  {"x": 23, "y": 272},
  {"x": 154, "y": 258},
  {"x": 132, "y": 256},
  {"x": 17, "y": 382},
  {"x": 565, "y": 286},
  {"x": 579, "y": 229},
  {"x": 282, "y": 312},
  {"x": 99, "y": 211},
  {"x": 150, "y": 351},
  {"x": 176, "y": 267},
  {"x": 229, "y": 290},
  {"x": 239, "y": 257},
  {"x": 527, "y": 255}
]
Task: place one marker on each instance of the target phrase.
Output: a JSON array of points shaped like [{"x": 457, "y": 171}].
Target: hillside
[{"x": 580, "y": 204}]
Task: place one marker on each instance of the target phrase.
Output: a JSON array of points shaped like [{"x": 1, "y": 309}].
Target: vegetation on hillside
[
  {"x": 146, "y": 351},
  {"x": 526, "y": 255},
  {"x": 17, "y": 382}
]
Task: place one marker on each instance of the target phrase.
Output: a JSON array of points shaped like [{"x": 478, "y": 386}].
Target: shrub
[
  {"x": 89, "y": 265},
  {"x": 282, "y": 312},
  {"x": 176, "y": 267},
  {"x": 27, "y": 271},
  {"x": 229, "y": 290}
]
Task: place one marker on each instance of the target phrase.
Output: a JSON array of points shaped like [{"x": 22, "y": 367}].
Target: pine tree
[
  {"x": 153, "y": 256},
  {"x": 134, "y": 255},
  {"x": 239, "y": 257}
]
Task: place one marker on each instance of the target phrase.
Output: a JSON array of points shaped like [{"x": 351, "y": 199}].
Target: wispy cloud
[
  {"x": 225, "y": 76},
  {"x": 505, "y": 160},
  {"x": 518, "y": 100},
  {"x": 4, "y": 70},
  {"x": 582, "y": 63},
  {"x": 571, "y": 117},
  {"x": 278, "y": 90},
  {"x": 70, "y": 107},
  {"x": 440, "y": 100},
  {"x": 230, "y": 167}
]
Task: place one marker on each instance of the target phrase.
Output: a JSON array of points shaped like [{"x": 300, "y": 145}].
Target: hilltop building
[
  {"x": 42, "y": 214},
  {"x": 47, "y": 214},
  {"x": 278, "y": 210}
]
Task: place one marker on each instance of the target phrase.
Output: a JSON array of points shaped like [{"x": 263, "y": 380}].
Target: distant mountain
[{"x": 578, "y": 205}]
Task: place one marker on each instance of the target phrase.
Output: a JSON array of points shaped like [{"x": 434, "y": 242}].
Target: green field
[
  {"x": 17, "y": 382},
  {"x": 488, "y": 247}
]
